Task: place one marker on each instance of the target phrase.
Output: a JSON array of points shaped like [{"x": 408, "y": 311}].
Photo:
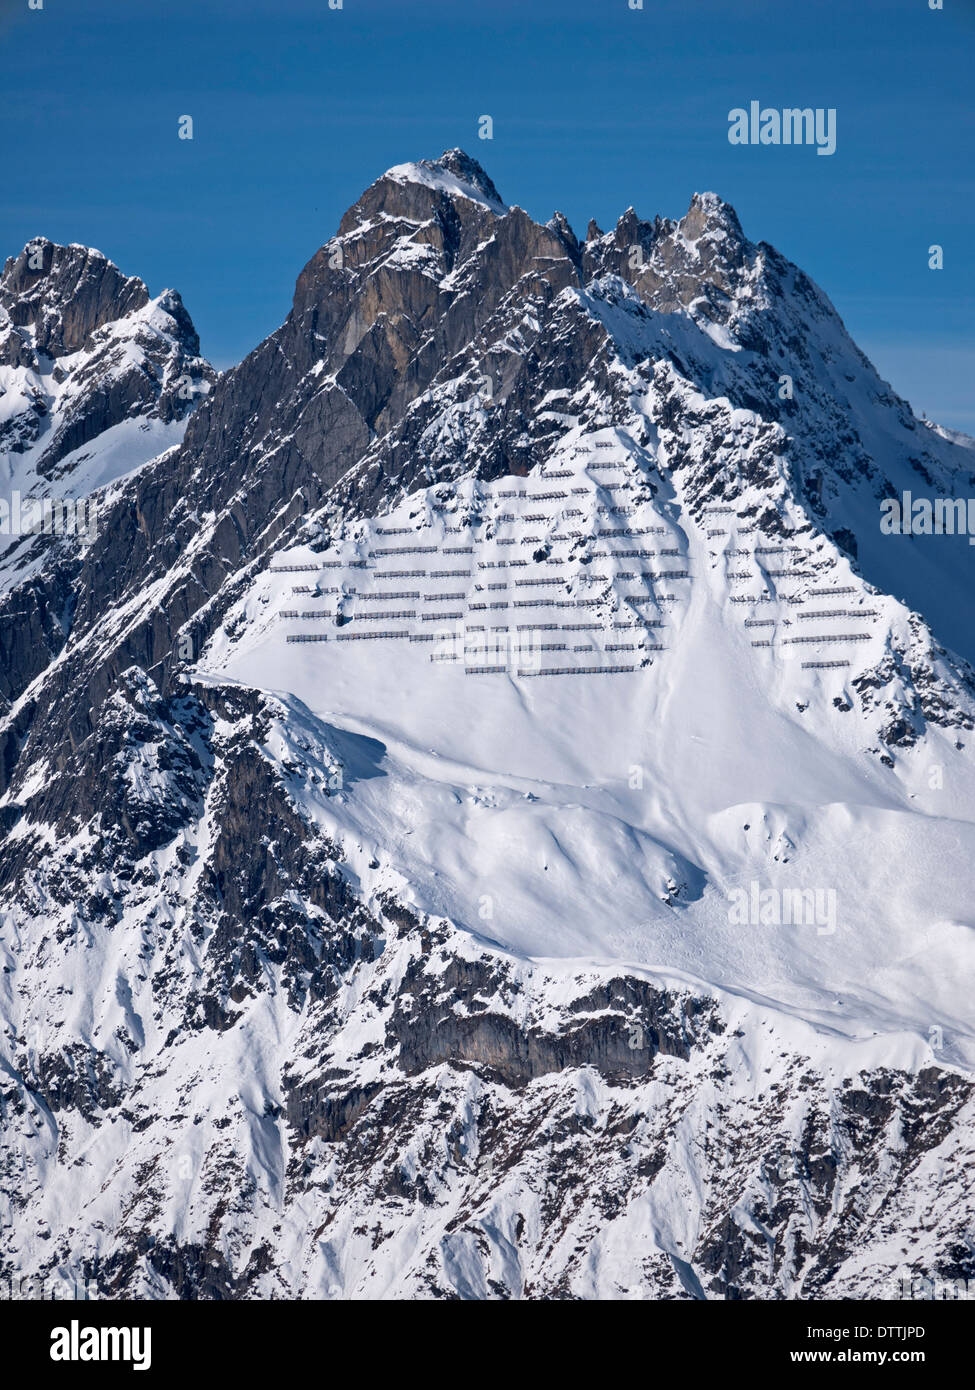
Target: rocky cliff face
[
  {"x": 96, "y": 378},
  {"x": 87, "y": 350},
  {"x": 331, "y": 970}
]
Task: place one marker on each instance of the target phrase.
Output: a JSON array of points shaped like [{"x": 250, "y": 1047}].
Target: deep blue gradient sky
[{"x": 297, "y": 108}]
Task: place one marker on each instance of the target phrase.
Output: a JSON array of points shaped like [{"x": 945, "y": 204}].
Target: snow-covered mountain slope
[
  {"x": 476, "y": 629},
  {"x": 489, "y": 829},
  {"x": 96, "y": 378}
]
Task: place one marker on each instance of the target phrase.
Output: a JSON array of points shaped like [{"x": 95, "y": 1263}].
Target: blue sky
[{"x": 297, "y": 108}]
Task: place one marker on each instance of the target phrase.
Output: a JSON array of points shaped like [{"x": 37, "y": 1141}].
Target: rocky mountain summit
[
  {"x": 96, "y": 379},
  {"x": 86, "y": 351},
  {"x": 377, "y": 781}
]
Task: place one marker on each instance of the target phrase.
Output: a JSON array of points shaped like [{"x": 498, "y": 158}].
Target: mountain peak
[
  {"x": 66, "y": 292},
  {"x": 708, "y": 211},
  {"x": 454, "y": 173},
  {"x": 499, "y": 695},
  {"x": 98, "y": 376},
  {"x": 40, "y": 255}
]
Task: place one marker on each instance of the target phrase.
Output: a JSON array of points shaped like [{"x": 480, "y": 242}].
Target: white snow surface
[
  {"x": 62, "y": 384},
  {"x": 608, "y": 817},
  {"x": 431, "y": 174},
  {"x": 575, "y": 823}
]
